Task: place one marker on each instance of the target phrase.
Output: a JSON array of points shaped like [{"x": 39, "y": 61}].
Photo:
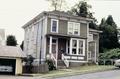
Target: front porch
[{"x": 67, "y": 49}]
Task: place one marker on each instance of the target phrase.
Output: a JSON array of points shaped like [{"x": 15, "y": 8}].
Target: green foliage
[
  {"x": 11, "y": 40},
  {"x": 111, "y": 54},
  {"x": 93, "y": 25},
  {"x": 29, "y": 60},
  {"x": 108, "y": 39},
  {"x": 82, "y": 8},
  {"x": 50, "y": 65}
]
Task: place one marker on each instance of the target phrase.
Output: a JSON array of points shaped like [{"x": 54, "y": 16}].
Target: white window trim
[
  {"x": 77, "y": 46},
  {"x": 73, "y": 28},
  {"x": 56, "y": 27}
]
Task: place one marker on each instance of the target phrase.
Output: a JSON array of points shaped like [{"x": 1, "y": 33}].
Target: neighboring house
[
  {"x": 11, "y": 60},
  {"x": 2, "y": 37},
  {"x": 63, "y": 37}
]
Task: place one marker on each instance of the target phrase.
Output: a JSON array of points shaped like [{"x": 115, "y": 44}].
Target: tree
[
  {"x": 57, "y": 4},
  {"x": 83, "y": 9},
  {"x": 11, "y": 40},
  {"x": 108, "y": 39},
  {"x": 22, "y": 45}
]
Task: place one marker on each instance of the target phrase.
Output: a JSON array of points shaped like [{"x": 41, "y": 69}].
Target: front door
[
  {"x": 92, "y": 51},
  {"x": 55, "y": 47},
  {"x": 61, "y": 47}
]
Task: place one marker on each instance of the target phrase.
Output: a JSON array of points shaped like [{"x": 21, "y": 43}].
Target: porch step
[
  {"x": 61, "y": 67},
  {"x": 61, "y": 63}
]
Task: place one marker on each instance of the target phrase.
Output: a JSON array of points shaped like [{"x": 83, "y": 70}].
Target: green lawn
[{"x": 75, "y": 71}]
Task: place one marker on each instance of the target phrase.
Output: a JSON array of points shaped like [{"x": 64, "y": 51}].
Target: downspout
[{"x": 41, "y": 39}]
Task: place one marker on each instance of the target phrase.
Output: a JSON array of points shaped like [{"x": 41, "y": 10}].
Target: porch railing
[
  {"x": 74, "y": 57},
  {"x": 65, "y": 60},
  {"x": 54, "y": 60}
]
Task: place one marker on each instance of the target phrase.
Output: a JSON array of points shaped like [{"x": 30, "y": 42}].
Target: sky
[{"x": 15, "y": 13}]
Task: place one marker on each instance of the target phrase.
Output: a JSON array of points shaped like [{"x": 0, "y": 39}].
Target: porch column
[
  {"x": 70, "y": 49},
  {"x": 95, "y": 52},
  {"x": 50, "y": 48}
]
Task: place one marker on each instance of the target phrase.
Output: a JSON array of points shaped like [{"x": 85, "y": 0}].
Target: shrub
[
  {"x": 108, "y": 62},
  {"x": 29, "y": 60},
  {"x": 101, "y": 62},
  {"x": 107, "y": 55},
  {"x": 111, "y": 54},
  {"x": 50, "y": 65}
]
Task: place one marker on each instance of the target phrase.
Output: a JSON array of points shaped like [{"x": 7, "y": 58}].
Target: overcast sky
[{"x": 15, "y": 13}]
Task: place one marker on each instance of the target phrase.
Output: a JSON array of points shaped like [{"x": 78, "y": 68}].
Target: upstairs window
[
  {"x": 76, "y": 29},
  {"x": 70, "y": 28},
  {"x": 73, "y": 28},
  {"x": 54, "y": 25}
]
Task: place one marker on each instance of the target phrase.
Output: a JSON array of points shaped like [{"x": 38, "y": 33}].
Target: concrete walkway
[{"x": 18, "y": 77}]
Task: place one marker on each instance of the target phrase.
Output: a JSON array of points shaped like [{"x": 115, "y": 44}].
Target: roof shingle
[{"x": 11, "y": 51}]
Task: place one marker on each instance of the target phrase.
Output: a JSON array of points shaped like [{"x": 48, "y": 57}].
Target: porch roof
[
  {"x": 95, "y": 31},
  {"x": 64, "y": 36},
  {"x": 91, "y": 41}
]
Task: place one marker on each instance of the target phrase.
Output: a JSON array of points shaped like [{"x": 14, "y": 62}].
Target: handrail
[
  {"x": 52, "y": 57},
  {"x": 65, "y": 60}
]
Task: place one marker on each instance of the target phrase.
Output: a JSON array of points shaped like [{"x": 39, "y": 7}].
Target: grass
[{"x": 75, "y": 71}]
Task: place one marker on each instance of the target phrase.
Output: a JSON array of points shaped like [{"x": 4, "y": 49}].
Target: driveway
[{"x": 114, "y": 74}]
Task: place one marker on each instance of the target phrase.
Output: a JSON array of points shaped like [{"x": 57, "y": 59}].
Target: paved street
[{"x": 115, "y": 74}]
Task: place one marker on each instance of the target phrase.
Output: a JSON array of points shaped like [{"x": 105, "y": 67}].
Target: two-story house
[{"x": 63, "y": 37}]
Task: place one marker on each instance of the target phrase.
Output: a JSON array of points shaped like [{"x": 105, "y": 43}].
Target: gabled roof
[
  {"x": 56, "y": 13},
  {"x": 11, "y": 51}
]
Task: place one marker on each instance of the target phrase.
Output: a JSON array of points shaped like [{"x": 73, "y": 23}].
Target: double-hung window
[
  {"x": 74, "y": 46},
  {"x": 76, "y": 29},
  {"x": 70, "y": 27},
  {"x": 77, "y": 46},
  {"x": 54, "y": 25},
  {"x": 73, "y": 28}
]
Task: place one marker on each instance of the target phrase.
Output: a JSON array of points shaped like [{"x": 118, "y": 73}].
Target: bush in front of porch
[{"x": 50, "y": 65}]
